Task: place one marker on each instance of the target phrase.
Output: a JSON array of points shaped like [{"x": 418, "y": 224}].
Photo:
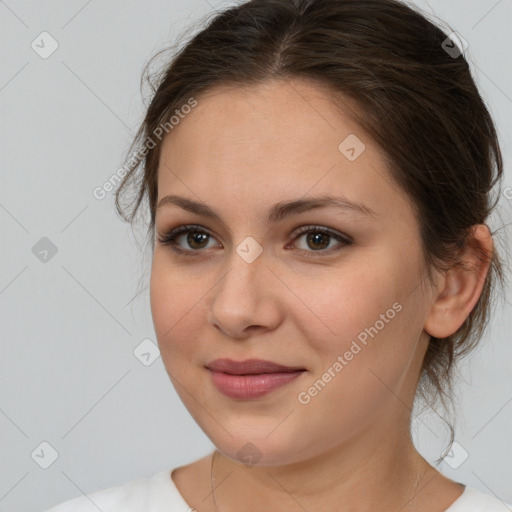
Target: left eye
[{"x": 318, "y": 239}]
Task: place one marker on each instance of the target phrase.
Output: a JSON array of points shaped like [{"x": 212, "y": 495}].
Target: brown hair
[{"x": 419, "y": 103}]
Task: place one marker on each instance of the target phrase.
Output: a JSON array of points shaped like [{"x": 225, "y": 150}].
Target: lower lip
[{"x": 251, "y": 386}]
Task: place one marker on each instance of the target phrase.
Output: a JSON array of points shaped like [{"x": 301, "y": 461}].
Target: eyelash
[{"x": 169, "y": 239}]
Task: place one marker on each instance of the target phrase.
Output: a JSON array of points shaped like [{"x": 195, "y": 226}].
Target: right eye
[{"x": 194, "y": 236}]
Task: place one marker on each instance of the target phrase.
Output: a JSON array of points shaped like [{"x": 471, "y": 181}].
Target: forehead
[
  {"x": 266, "y": 116},
  {"x": 281, "y": 137}
]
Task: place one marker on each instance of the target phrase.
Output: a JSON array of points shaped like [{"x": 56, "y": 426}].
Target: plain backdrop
[{"x": 79, "y": 411}]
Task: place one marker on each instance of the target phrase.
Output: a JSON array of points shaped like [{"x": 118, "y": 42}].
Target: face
[{"x": 334, "y": 289}]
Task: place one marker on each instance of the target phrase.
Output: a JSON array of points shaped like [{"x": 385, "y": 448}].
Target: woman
[{"x": 318, "y": 177}]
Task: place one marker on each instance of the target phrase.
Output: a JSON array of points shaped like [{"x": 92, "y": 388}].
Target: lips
[
  {"x": 252, "y": 378},
  {"x": 249, "y": 367}
]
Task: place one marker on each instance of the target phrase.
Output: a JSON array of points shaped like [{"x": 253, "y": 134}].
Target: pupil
[
  {"x": 317, "y": 238},
  {"x": 194, "y": 239}
]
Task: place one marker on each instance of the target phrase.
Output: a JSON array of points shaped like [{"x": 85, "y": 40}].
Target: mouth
[
  {"x": 252, "y": 378},
  {"x": 250, "y": 367}
]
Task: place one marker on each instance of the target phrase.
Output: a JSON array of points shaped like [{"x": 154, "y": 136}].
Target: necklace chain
[{"x": 212, "y": 479}]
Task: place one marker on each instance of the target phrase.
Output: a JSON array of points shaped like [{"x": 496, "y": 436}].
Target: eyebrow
[{"x": 278, "y": 211}]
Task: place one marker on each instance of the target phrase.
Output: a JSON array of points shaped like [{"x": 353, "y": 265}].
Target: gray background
[{"x": 69, "y": 326}]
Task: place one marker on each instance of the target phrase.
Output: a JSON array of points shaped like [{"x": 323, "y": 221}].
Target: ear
[{"x": 459, "y": 288}]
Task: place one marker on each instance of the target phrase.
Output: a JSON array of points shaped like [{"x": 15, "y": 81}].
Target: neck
[{"x": 355, "y": 476}]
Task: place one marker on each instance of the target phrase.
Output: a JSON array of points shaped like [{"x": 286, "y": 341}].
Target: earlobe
[{"x": 461, "y": 286}]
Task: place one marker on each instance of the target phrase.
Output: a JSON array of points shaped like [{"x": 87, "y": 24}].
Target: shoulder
[
  {"x": 133, "y": 496},
  {"x": 473, "y": 500},
  {"x": 112, "y": 499}
]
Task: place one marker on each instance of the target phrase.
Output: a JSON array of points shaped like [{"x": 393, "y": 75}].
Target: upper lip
[{"x": 249, "y": 366}]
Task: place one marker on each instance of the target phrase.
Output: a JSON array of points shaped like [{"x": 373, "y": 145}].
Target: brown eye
[
  {"x": 319, "y": 239},
  {"x": 196, "y": 239},
  {"x": 186, "y": 238}
]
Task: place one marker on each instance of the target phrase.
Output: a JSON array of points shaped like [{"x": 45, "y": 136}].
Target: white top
[{"x": 158, "y": 493}]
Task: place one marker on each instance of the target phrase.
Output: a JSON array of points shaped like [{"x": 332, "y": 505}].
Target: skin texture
[{"x": 240, "y": 151}]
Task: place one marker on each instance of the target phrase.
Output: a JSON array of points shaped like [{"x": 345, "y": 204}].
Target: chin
[{"x": 252, "y": 451}]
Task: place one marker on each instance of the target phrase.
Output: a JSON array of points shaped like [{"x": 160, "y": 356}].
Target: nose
[{"x": 245, "y": 300}]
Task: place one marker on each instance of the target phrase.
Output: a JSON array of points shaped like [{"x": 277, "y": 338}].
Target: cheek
[
  {"x": 364, "y": 329},
  {"x": 175, "y": 301},
  {"x": 357, "y": 380},
  {"x": 339, "y": 306}
]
